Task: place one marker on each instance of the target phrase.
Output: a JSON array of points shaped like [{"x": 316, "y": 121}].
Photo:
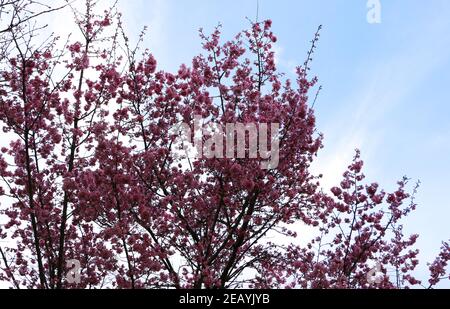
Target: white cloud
[
  {"x": 153, "y": 14},
  {"x": 386, "y": 85}
]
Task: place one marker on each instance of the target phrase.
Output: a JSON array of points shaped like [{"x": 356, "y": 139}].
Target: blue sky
[{"x": 385, "y": 85}]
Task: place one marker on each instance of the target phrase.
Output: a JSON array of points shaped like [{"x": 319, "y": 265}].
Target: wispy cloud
[
  {"x": 386, "y": 85},
  {"x": 153, "y": 14}
]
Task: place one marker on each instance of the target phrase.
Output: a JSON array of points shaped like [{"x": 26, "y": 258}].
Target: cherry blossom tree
[{"x": 93, "y": 172}]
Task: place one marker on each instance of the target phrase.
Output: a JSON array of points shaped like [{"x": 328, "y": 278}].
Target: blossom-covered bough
[{"x": 91, "y": 173}]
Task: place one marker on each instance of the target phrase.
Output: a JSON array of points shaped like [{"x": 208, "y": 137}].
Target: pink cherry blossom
[{"x": 91, "y": 175}]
